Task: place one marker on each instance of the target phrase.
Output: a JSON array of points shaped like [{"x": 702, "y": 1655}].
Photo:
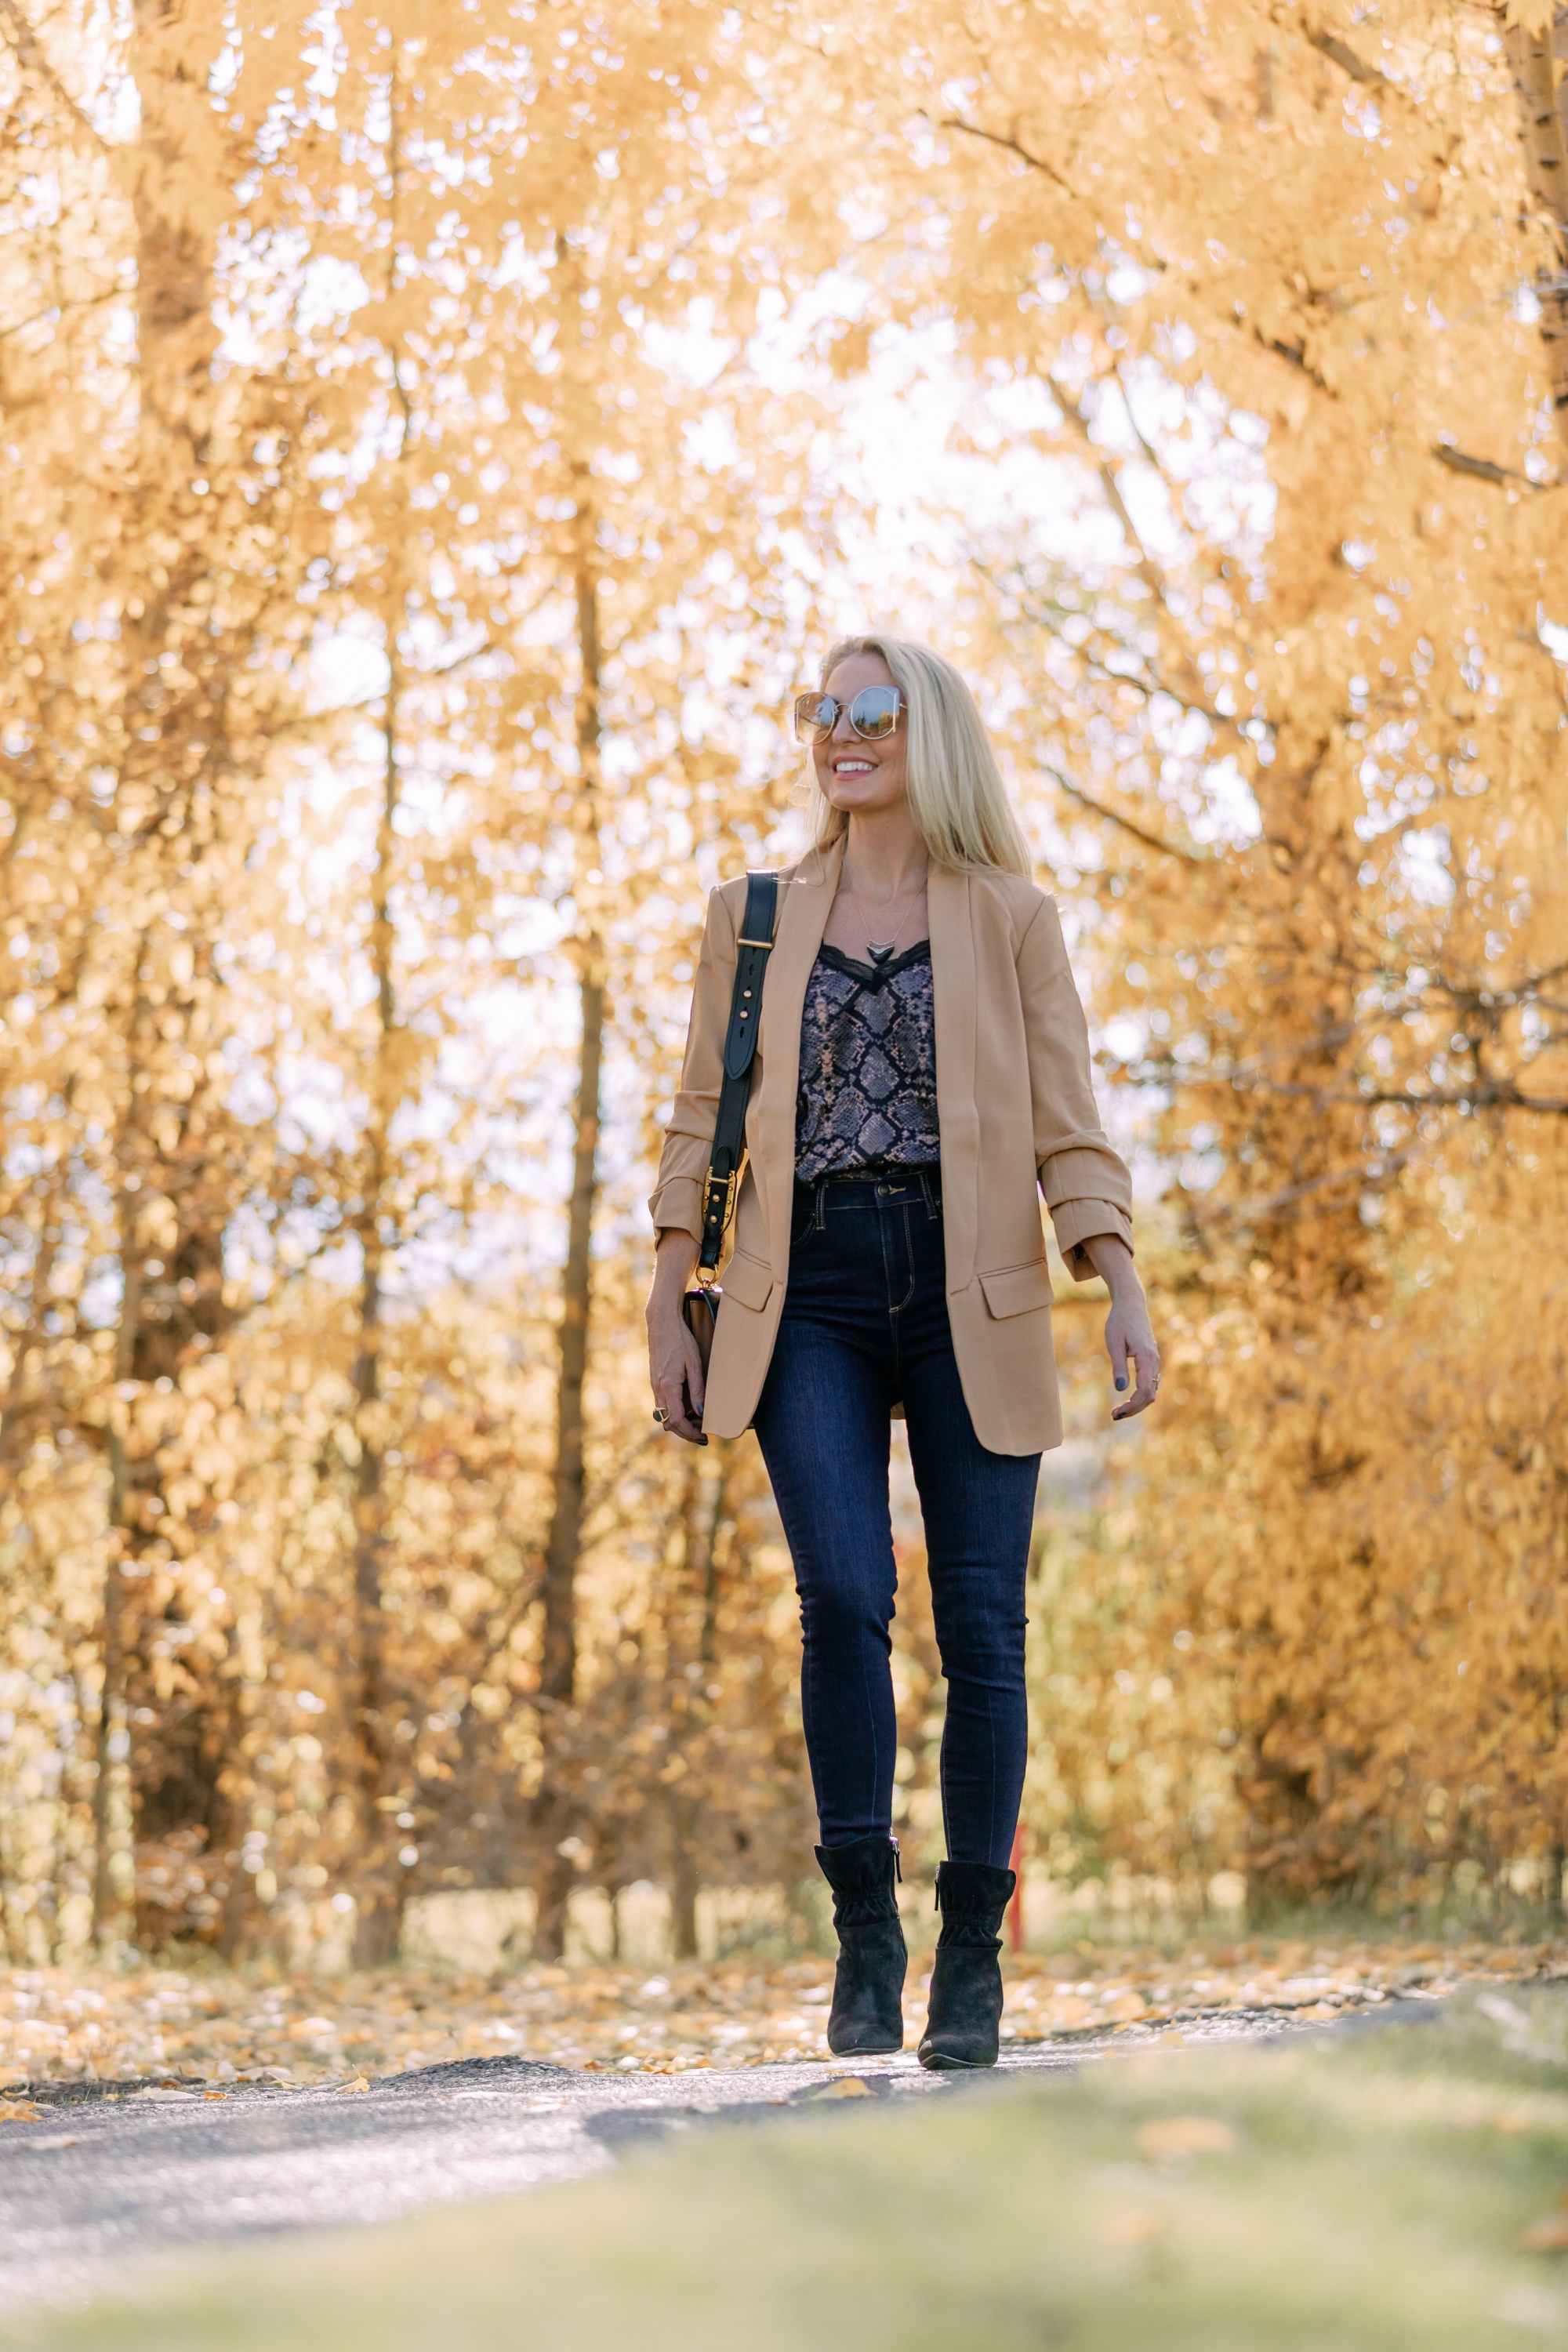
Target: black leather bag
[
  {"x": 700, "y": 1313},
  {"x": 726, "y": 1162}
]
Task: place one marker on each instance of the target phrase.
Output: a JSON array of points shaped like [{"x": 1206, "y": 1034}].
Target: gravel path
[{"x": 110, "y": 2176}]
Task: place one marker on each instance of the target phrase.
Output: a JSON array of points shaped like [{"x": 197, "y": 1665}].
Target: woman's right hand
[{"x": 674, "y": 1360}]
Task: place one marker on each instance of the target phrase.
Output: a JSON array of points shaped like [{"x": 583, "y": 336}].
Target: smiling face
[{"x": 860, "y": 778}]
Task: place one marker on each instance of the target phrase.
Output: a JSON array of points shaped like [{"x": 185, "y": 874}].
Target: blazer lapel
[
  {"x": 805, "y": 896},
  {"x": 956, "y": 999}
]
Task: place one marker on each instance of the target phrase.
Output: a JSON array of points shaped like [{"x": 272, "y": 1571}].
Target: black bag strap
[{"x": 724, "y": 1164}]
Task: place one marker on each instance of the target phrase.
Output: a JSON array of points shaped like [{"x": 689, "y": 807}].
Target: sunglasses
[{"x": 873, "y": 714}]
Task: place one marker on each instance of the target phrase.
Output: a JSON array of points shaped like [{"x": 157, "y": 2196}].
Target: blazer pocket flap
[
  {"x": 1017, "y": 1289},
  {"x": 749, "y": 1282}
]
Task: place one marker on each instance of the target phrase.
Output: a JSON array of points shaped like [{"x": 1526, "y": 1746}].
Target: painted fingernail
[{"x": 1122, "y": 1384}]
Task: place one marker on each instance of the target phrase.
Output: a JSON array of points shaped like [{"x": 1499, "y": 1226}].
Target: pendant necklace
[{"x": 881, "y": 950}]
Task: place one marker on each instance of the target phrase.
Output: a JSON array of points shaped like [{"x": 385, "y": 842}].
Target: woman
[{"x": 921, "y": 1074}]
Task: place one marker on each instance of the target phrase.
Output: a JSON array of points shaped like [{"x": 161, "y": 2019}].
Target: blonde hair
[{"x": 957, "y": 797}]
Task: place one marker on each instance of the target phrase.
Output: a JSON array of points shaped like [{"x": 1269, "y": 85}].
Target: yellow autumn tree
[
  {"x": 411, "y": 551},
  {"x": 1289, "y": 288},
  {"x": 488, "y": 554}
]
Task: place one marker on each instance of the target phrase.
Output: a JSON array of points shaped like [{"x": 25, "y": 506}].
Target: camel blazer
[{"x": 1018, "y": 1114}]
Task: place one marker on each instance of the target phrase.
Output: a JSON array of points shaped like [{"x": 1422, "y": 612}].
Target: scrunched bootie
[
  {"x": 868, "y": 2013},
  {"x": 965, "y": 2021}
]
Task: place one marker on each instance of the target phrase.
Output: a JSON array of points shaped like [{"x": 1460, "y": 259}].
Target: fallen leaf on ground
[
  {"x": 214, "y": 2026},
  {"x": 845, "y": 2086},
  {"x": 1547, "y": 2236},
  {"x": 1185, "y": 2135},
  {"x": 1133, "y": 2229},
  {"x": 19, "y": 2111},
  {"x": 358, "y": 2084}
]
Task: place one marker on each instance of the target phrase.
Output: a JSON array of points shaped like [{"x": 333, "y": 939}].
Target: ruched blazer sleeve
[{"x": 1084, "y": 1182}]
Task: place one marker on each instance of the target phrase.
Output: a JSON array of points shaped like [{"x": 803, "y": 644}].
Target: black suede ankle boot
[
  {"x": 965, "y": 2016},
  {"x": 868, "y": 2013}
]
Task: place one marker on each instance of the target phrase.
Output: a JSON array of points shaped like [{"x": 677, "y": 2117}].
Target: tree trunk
[
  {"x": 679, "y": 1811},
  {"x": 171, "y": 1264},
  {"x": 1539, "y": 60},
  {"x": 685, "y": 1811},
  {"x": 113, "y": 1882},
  {"x": 113, "y": 1876},
  {"x": 175, "y": 332},
  {"x": 379, "y": 1888},
  {"x": 558, "y": 1661},
  {"x": 379, "y": 1903}
]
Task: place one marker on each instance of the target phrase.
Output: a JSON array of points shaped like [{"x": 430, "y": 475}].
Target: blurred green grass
[{"x": 1316, "y": 2197}]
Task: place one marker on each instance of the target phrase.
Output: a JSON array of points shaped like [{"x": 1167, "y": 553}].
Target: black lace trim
[{"x": 873, "y": 975}]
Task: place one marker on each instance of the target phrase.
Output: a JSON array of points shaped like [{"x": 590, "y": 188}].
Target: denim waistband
[{"x": 873, "y": 1188}]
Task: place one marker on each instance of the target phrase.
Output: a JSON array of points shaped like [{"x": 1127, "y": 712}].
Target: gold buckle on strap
[{"x": 730, "y": 1184}]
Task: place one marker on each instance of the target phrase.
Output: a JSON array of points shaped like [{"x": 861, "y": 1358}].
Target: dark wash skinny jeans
[{"x": 864, "y": 1324}]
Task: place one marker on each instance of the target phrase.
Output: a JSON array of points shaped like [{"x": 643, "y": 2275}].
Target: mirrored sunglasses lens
[
  {"x": 875, "y": 712},
  {"x": 816, "y": 714}
]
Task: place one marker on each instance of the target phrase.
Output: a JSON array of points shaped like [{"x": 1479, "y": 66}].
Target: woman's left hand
[{"x": 1128, "y": 1335}]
